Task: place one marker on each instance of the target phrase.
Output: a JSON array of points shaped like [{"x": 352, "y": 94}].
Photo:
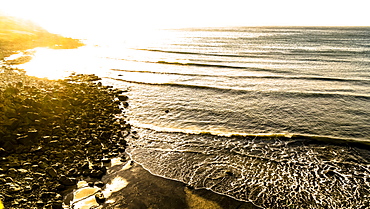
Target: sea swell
[
  {"x": 274, "y": 116},
  {"x": 308, "y": 138},
  {"x": 207, "y": 65},
  {"x": 238, "y": 90},
  {"x": 286, "y": 51},
  {"x": 283, "y": 77}
]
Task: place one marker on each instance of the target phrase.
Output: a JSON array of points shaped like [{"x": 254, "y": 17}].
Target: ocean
[{"x": 278, "y": 116}]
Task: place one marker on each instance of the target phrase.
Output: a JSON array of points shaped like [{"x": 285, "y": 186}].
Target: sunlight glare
[
  {"x": 82, "y": 19},
  {"x": 60, "y": 63}
]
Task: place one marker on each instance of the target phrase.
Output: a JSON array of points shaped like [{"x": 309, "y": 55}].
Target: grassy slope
[{"x": 17, "y": 34}]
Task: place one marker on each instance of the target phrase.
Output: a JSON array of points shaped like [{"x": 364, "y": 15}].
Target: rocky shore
[{"x": 55, "y": 133}]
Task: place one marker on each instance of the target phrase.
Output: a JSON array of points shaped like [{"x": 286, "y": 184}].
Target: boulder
[
  {"x": 96, "y": 173},
  {"x": 122, "y": 97},
  {"x": 52, "y": 172},
  {"x": 57, "y": 205},
  {"x": 99, "y": 197},
  {"x": 99, "y": 184},
  {"x": 67, "y": 181},
  {"x": 14, "y": 188}
]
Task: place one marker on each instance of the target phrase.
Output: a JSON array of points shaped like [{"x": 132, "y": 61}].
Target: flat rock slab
[{"x": 131, "y": 186}]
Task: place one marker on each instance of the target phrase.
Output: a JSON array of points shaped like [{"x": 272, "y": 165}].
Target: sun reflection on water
[
  {"x": 53, "y": 64},
  {"x": 98, "y": 56}
]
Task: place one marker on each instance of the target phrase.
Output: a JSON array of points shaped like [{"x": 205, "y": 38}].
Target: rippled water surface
[{"x": 278, "y": 116}]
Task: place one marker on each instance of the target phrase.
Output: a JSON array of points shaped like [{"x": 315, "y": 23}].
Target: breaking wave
[{"x": 272, "y": 171}]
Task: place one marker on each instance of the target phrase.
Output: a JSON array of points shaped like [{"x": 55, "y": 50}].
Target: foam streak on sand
[
  {"x": 144, "y": 190},
  {"x": 272, "y": 172}
]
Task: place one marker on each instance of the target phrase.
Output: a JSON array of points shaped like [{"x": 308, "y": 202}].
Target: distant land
[{"x": 17, "y": 34}]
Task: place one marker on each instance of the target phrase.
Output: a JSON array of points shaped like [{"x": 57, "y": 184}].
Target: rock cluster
[{"x": 54, "y": 133}]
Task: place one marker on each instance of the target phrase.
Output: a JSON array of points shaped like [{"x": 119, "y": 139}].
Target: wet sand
[{"x": 131, "y": 186}]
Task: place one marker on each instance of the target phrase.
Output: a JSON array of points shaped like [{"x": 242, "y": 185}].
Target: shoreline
[
  {"x": 145, "y": 190},
  {"x": 48, "y": 143},
  {"x": 58, "y": 133},
  {"x": 129, "y": 185}
]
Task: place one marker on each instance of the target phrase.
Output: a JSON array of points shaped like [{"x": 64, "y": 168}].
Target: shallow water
[{"x": 271, "y": 172}]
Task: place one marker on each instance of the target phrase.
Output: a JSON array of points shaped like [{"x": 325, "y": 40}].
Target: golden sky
[{"x": 88, "y": 17}]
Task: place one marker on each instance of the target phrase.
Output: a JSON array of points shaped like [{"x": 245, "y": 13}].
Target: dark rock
[
  {"x": 24, "y": 140},
  {"x": 41, "y": 179},
  {"x": 47, "y": 195},
  {"x": 73, "y": 172},
  {"x": 99, "y": 197},
  {"x": 35, "y": 186},
  {"x": 15, "y": 204},
  {"x": 9, "y": 147},
  {"x": 46, "y": 138},
  {"x": 59, "y": 187},
  {"x": 15, "y": 163},
  {"x": 27, "y": 165},
  {"x": 14, "y": 188},
  {"x": 67, "y": 181},
  {"x": 2, "y": 180},
  {"x": 121, "y": 148},
  {"x": 123, "y": 159},
  {"x": 21, "y": 148},
  {"x": 2, "y": 152},
  {"x": 12, "y": 172},
  {"x": 57, "y": 205},
  {"x": 40, "y": 203},
  {"x": 42, "y": 165},
  {"x": 97, "y": 173},
  {"x": 106, "y": 160},
  {"x": 32, "y": 134},
  {"x": 125, "y": 104},
  {"x": 27, "y": 189},
  {"x": 99, "y": 184},
  {"x": 52, "y": 172},
  {"x": 113, "y": 154},
  {"x": 54, "y": 143},
  {"x": 85, "y": 165},
  {"x": 229, "y": 173},
  {"x": 8, "y": 179},
  {"x": 37, "y": 149},
  {"x": 122, "y": 97},
  {"x": 58, "y": 197},
  {"x": 92, "y": 125},
  {"x": 329, "y": 172},
  {"x": 97, "y": 160}
]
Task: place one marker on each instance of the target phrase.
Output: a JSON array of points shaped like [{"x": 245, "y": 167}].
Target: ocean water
[{"x": 274, "y": 115}]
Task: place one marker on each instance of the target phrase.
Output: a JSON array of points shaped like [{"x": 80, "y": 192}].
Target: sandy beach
[{"x": 129, "y": 185}]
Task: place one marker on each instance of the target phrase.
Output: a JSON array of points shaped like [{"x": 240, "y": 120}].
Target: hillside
[{"x": 17, "y": 34}]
